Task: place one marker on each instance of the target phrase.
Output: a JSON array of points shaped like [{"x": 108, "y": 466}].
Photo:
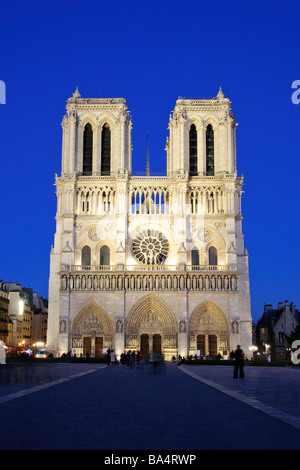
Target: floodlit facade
[{"x": 151, "y": 262}]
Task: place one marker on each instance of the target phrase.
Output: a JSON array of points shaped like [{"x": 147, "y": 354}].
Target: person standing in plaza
[
  {"x": 238, "y": 363},
  {"x": 112, "y": 357},
  {"x": 132, "y": 360},
  {"x": 142, "y": 359}
]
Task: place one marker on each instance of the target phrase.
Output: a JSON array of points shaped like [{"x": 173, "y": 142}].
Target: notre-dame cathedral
[{"x": 149, "y": 262}]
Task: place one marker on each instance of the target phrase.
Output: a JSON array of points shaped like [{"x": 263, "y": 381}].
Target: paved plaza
[{"x": 68, "y": 406}]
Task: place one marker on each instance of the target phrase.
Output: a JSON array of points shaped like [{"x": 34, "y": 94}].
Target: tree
[{"x": 295, "y": 335}]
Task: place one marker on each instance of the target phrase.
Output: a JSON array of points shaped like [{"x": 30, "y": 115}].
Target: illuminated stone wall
[{"x": 154, "y": 256}]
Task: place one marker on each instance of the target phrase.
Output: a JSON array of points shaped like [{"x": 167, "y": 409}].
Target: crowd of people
[{"x": 136, "y": 359}]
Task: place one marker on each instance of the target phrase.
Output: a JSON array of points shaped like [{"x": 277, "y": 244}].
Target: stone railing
[
  {"x": 148, "y": 281},
  {"x": 149, "y": 268}
]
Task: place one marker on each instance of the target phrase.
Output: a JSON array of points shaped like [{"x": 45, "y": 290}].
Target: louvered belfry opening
[
  {"x": 210, "y": 151},
  {"x": 87, "y": 150},
  {"x": 105, "y": 150},
  {"x": 193, "y": 151}
]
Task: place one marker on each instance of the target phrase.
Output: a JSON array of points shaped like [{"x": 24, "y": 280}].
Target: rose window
[{"x": 150, "y": 247}]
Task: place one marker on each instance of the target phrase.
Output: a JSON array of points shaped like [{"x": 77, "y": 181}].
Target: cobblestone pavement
[{"x": 186, "y": 408}]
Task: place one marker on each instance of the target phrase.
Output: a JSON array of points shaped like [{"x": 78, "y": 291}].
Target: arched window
[
  {"x": 193, "y": 151},
  {"x": 210, "y": 151},
  {"x": 105, "y": 150},
  {"x": 213, "y": 256},
  {"x": 104, "y": 256},
  {"x": 195, "y": 256},
  {"x": 87, "y": 150},
  {"x": 86, "y": 256}
]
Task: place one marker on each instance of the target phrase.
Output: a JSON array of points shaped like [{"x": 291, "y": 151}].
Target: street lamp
[{"x": 253, "y": 349}]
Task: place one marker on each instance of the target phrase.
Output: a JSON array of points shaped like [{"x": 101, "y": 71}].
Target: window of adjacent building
[
  {"x": 87, "y": 150},
  {"x": 213, "y": 256},
  {"x": 104, "y": 255},
  {"x": 210, "y": 151},
  {"x": 193, "y": 150},
  {"x": 105, "y": 150},
  {"x": 281, "y": 337},
  {"x": 86, "y": 256}
]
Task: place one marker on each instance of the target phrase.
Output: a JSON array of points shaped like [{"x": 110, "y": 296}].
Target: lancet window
[
  {"x": 193, "y": 150},
  {"x": 86, "y": 256},
  {"x": 104, "y": 256},
  {"x": 210, "y": 151},
  {"x": 149, "y": 201},
  {"x": 95, "y": 201},
  {"x": 106, "y": 150},
  {"x": 212, "y": 256},
  {"x": 195, "y": 256},
  {"x": 85, "y": 203},
  {"x": 87, "y": 150},
  {"x": 207, "y": 200}
]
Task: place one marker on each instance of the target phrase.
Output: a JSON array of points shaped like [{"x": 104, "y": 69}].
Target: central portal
[
  {"x": 151, "y": 343},
  {"x": 152, "y": 327},
  {"x": 157, "y": 344},
  {"x": 145, "y": 343}
]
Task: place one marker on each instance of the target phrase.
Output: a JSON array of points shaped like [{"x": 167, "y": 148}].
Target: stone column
[
  {"x": 65, "y": 145},
  {"x": 72, "y": 144}
]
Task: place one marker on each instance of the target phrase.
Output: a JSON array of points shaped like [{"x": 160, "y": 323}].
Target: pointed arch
[
  {"x": 104, "y": 255},
  {"x": 106, "y": 150},
  {"x": 151, "y": 304},
  {"x": 193, "y": 152},
  {"x": 87, "y": 166},
  {"x": 208, "y": 318},
  {"x": 92, "y": 320},
  {"x": 86, "y": 255},
  {"x": 195, "y": 256},
  {"x": 210, "y": 151},
  {"x": 212, "y": 256}
]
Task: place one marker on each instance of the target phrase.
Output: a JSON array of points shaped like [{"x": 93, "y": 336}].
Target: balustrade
[
  {"x": 148, "y": 282},
  {"x": 151, "y": 267}
]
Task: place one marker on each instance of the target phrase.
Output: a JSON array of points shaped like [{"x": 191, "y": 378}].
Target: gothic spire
[
  {"x": 220, "y": 95},
  {"x": 76, "y": 93},
  {"x": 147, "y": 159}
]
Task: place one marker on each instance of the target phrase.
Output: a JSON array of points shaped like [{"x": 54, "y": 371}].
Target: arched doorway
[
  {"x": 151, "y": 325},
  {"x": 209, "y": 331},
  {"x": 91, "y": 331}
]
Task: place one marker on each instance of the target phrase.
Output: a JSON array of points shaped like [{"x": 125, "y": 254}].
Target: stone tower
[{"x": 151, "y": 262}]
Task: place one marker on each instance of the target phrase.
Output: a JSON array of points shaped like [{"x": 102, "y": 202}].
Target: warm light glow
[{"x": 21, "y": 307}]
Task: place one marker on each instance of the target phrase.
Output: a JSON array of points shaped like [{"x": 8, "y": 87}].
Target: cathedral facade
[{"x": 151, "y": 262}]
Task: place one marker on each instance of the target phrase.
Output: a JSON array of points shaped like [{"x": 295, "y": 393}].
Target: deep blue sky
[{"x": 150, "y": 53}]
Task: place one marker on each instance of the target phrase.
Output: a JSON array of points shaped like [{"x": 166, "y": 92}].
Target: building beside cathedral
[{"x": 150, "y": 262}]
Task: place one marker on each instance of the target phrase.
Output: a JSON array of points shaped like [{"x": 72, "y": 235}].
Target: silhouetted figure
[{"x": 238, "y": 363}]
